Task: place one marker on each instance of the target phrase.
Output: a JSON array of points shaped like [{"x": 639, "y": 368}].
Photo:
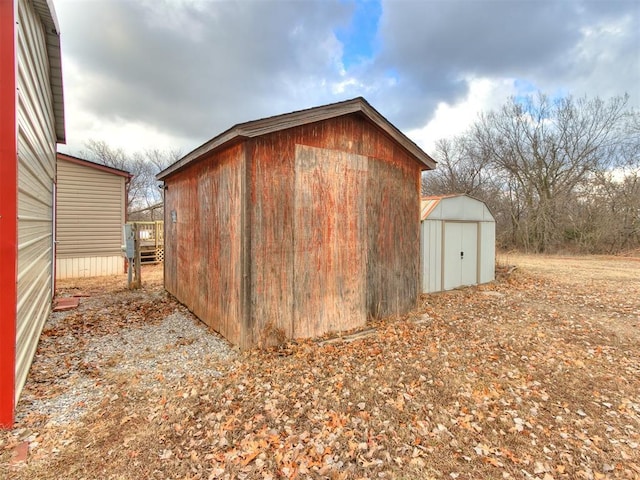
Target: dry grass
[{"x": 536, "y": 375}]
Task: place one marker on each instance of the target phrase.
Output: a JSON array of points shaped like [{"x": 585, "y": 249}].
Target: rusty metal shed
[{"x": 296, "y": 225}]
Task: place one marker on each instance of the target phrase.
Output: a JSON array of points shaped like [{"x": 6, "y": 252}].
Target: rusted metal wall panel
[{"x": 203, "y": 263}]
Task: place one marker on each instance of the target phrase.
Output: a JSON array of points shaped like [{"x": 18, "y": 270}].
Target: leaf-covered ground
[{"x": 536, "y": 375}]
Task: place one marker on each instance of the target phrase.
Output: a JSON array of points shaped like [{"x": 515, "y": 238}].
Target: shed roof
[
  {"x": 276, "y": 123},
  {"x": 97, "y": 166},
  {"x": 52, "y": 35},
  {"x": 466, "y": 208}
]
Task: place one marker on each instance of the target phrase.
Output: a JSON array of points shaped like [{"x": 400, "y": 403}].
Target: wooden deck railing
[{"x": 151, "y": 235}]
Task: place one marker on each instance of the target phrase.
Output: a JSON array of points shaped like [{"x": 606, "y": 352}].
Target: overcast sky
[{"x": 171, "y": 74}]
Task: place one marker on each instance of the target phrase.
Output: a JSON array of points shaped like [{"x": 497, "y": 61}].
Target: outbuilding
[
  {"x": 91, "y": 209},
  {"x": 458, "y": 242},
  {"x": 296, "y": 225},
  {"x": 31, "y": 123}
]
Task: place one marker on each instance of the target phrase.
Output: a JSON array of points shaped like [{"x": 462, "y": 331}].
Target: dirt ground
[{"x": 535, "y": 375}]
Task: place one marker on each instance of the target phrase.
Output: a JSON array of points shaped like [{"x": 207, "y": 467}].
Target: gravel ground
[{"x": 142, "y": 351}]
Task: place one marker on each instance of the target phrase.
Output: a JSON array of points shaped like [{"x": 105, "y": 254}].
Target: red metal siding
[{"x": 8, "y": 212}]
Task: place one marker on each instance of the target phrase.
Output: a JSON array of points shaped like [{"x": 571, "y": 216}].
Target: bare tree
[
  {"x": 555, "y": 173},
  {"x": 547, "y": 150},
  {"x": 461, "y": 169}
]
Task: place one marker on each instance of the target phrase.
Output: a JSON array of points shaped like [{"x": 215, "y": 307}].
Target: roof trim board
[
  {"x": 49, "y": 20},
  {"x": 97, "y": 166},
  {"x": 276, "y": 123}
]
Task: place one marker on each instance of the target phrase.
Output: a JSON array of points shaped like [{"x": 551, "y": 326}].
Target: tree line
[{"x": 559, "y": 174}]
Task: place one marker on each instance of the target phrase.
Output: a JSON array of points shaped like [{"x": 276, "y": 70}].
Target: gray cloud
[
  {"x": 192, "y": 69},
  {"x": 435, "y": 45}
]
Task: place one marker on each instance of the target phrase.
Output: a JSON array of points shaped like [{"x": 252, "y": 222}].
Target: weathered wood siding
[
  {"x": 296, "y": 233},
  {"x": 393, "y": 244},
  {"x": 329, "y": 264},
  {"x": 270, "y": 226},
  {"x": 203, "y": 241},
  {"x": 90, "y": 215},
  {"x": 36, "y": 174},
  {"x": 355, "y": 177}
]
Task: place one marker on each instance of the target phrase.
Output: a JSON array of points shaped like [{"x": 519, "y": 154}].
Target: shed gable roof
[
  {"x": 467, "y": 208},
  {"x": 276, "y": 123}
]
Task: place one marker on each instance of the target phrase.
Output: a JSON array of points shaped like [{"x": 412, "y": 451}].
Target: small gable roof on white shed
[{"x": 460, "y": 207}]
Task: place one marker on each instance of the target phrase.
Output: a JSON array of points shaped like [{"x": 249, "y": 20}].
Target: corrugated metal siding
[
  {"x": 91, "y": 212},
  {"x": 36, "y": 173}
]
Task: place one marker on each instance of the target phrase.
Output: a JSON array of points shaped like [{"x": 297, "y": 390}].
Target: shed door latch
[{"x": 461, "y": 254}]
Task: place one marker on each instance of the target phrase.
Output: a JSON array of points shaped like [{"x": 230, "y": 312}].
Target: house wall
[
  {"x": 203, "y": 240},
  {"x": 36, "y": 174},
  {"x": 90, "y": 214}
]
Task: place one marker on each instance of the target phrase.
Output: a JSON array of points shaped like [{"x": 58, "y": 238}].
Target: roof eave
[
  {"x": 49, "y": 20},
  {"x": 303, "y": 117},
  {"x": 97, "y": 166}
]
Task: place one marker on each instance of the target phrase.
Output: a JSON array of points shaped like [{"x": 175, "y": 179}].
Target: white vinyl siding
[
  {"x": 36, "y": 174},
  {"x": 91, "y": 212},
  {"x": 89, "y": 266}
]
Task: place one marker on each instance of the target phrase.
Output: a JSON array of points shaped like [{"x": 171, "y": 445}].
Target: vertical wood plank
[{"x": 329, "y": 241}]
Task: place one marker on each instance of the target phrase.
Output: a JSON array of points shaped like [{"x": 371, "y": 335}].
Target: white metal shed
[{"x": 458, "y": 238}]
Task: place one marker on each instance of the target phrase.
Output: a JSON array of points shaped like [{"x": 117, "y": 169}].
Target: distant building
[
  {"x": 458, "y": 242},
  {"x": 90, "y": 212},
  {"x": 31, "y": 123}
]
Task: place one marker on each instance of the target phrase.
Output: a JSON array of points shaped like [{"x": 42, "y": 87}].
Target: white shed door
[{"x": 460, "y": 261}]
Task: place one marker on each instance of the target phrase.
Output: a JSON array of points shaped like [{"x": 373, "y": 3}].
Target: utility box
[{"x": 458, "y": 242}]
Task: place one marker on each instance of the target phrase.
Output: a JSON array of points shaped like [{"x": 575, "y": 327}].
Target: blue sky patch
[{"x": 359, "y": 38}]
